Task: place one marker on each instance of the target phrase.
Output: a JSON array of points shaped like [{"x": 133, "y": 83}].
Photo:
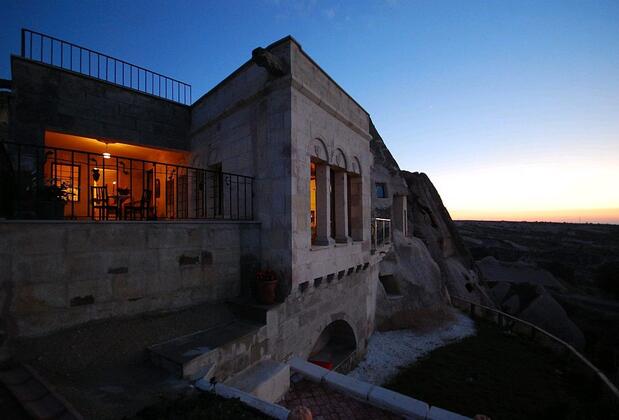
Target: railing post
[{"x": 23, "y": 42}]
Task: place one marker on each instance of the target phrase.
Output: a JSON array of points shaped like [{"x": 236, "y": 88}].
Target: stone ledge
[
  {"x": 374, "y": 395},
  {"x": 348, "y": 385},
  {"x": 128, "y": 222},
  {"x": 309, "y": 370},
  {"x": 398, "y": 403}
]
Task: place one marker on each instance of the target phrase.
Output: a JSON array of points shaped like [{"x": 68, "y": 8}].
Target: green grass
[{"x": 504, "y": 377}]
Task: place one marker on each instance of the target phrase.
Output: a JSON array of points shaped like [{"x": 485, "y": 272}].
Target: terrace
[
  {"x": 134, "y": 163},
  {"x": 80, "y": 178}
]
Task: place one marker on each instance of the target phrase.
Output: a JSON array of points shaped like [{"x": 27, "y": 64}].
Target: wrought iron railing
[
  {"x": 381, "y": 232},
  {"x": 57, "y": 183},
  {"x": 66, "y": 55}
]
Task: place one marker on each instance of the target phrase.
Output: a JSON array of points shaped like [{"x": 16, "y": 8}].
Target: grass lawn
[{"x": 504, "y": 377}]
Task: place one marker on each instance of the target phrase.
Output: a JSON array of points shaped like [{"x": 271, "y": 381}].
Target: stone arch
[
  {"x": 355, "y": 166},
  {"x": 339, "y": 159},
  {"x": 335, "y": 344},
  {"x": 318, "y": 150}
]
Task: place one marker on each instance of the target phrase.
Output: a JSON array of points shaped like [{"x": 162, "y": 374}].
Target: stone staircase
[
  {"x": 268, "y": 380},
  {"x": 216, "y": 352},
  {"x": 221, "y": 351}
]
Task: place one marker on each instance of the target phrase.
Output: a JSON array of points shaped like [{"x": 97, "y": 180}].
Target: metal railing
[
  {"x": 381, "y": 232},
  {"x": 57, "y": 183},
  {"x": 66, "y": 55},
  {"x": 541, "y": 336}
]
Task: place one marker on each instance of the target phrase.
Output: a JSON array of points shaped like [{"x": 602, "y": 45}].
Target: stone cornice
[{"x": 311, "y": 95}]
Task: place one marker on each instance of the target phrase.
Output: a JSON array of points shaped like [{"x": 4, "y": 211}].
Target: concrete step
[
  {"x": 197, "y": 355},
  {"x": 268, "y": 380}
]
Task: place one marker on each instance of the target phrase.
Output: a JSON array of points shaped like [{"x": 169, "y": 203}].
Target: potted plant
[
  {"x": 266, "y": 285},
  {"x": 51, "y": 199}
]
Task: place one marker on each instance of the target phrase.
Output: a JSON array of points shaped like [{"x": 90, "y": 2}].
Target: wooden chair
[
  {"x": 100, "y": 201},
  {"x": 141, "y": 207}
]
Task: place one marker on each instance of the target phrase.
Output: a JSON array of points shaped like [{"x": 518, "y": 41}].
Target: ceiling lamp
[{"x": 106, "y": 154}]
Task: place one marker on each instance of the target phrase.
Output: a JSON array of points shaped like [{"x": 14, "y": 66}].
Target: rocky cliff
[
  {"x": 428, "y": 264},
  {"x": 431, "y": 263}
]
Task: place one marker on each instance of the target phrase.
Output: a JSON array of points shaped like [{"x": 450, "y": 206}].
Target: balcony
[{"x": 98, "y": 183}]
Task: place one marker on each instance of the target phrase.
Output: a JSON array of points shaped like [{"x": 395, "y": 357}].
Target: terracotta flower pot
[{"x": 266, "y": 292}]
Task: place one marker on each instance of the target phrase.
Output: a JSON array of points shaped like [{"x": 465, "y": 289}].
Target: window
[
  {"x": 313, "y": 222},
  {"x": 332, "y": 201},
  {"x": 68, "y": 175},
  {"x": 381, "y": 190}
]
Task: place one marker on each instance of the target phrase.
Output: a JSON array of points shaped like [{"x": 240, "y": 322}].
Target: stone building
[{"x": 168, "y": 202}]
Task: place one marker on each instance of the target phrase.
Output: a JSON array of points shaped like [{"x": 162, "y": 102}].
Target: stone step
[
  {"x": 268, "y": 380},
  {"x": 250, "y": 311},
  {"x": 197, "y": 355}
]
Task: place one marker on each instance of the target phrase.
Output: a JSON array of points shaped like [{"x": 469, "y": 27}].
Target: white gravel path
[{"x": 389, "y": 351}]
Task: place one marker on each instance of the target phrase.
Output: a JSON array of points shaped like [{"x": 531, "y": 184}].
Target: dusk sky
[{"x": 510, "y": 107}]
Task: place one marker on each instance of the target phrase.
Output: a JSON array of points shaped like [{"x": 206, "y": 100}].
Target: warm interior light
[{"x": 106, "y": 155}]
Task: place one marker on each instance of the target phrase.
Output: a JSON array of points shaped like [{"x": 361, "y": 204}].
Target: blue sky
[{"x": 507, "y": 105}]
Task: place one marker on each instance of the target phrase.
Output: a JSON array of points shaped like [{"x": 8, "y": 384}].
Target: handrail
[
  {"x": 47, "y": 45},
  {"x": 611, "y": 387},
  {"x": 380, "y": 232}
]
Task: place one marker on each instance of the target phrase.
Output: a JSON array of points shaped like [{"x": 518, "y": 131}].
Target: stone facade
[{"x": 270, "y": 119}]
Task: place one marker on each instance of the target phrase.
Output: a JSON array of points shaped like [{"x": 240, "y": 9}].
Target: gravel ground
[{"x": 390, "y": 351}]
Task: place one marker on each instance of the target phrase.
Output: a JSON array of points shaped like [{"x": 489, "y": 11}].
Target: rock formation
[
  {"x": 523, "y": 289},
  {"x": 424, "y": 267}
]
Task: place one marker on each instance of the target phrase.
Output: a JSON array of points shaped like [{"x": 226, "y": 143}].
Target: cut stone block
[
  {"x": 268, "y": 380},
  {"x": 311, "y": 371},
  {"x": 398, "y": 403},
  {"x": 348, "y": 385}
]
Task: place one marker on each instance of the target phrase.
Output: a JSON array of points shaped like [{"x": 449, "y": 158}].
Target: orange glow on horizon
[
  {"x": 556, "y": 189},
  {"x": 568, "y": 216}
]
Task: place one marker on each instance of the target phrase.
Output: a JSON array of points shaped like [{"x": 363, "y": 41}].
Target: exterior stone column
[
  {"x": 341, "y": 207},
  {"x": 356, "y": 210},
  {"x": 323, "y": 205}
]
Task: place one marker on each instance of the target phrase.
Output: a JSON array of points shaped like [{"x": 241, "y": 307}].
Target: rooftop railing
[
  {"x": 66, "y": 55},
  {"x": 43, "y": 182}
]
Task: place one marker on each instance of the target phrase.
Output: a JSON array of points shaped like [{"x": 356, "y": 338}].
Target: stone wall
[
  {"x": 244, "y": 125},
  {"x": 294, "y": 327},
  {"x": 324, "y": 116},
  {"x": 59, "y": 274},
  {"x": 48, "y": 98}
]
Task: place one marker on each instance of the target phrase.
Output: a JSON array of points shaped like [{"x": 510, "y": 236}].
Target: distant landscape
[{"x": 576, "y": 265}]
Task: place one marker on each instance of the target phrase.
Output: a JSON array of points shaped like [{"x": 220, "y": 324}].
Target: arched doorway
[{"x": 335, "y": 345}]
